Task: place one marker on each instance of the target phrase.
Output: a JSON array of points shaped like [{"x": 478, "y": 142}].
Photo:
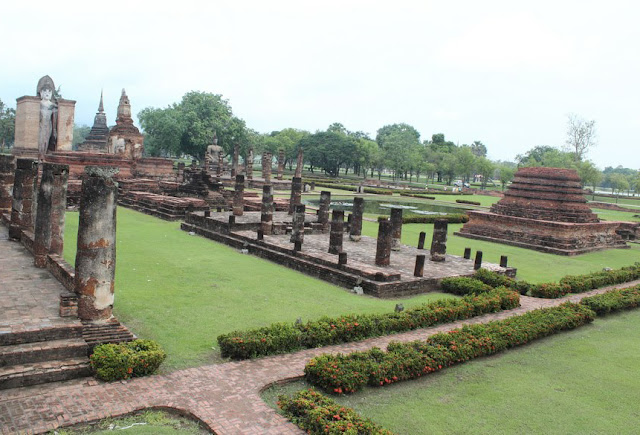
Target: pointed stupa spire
[
  {"x": 124, "y": 110},
  {"x": 101, "y": 106}
]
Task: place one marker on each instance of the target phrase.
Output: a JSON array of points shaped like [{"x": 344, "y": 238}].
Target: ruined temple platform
[{"x": 395, "y": 280}]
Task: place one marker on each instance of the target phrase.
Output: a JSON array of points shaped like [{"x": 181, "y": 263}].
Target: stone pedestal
[
  {"x": 419, "y": 268},
  {"x": 323, "y": 208},
  {"x": 96, "y": 253},
  {"x": 49, "y": 226},
  {"x": 396, "y": 228},
  {"x": 7, "y": 175},
  {"x": 266, "y": 210},
  {"x": 421, "y": 240},
  {"x": 439, "y": 241},
  {"x": 337, "y": 232},
  {"x": 467, "y": 253},
  {"x": 355, "y": 230},
  {"x": 280, "y": 164},
  {"x": 383, "y": 247},
  {"x": 296, "y": 193},
  {"x": 24, "y": 197},
  {"x": 504, "y": 261},
  {"x": 478, "y": 261},
  {"x": 238, "y": 196},
  {"x": 297, "y": 229}
]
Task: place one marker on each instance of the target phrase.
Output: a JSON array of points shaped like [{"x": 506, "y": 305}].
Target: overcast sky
[{"x": 504, "y": 73}]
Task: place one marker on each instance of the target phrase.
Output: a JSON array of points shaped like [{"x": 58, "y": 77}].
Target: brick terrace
[{"x": 226, "y": 397}]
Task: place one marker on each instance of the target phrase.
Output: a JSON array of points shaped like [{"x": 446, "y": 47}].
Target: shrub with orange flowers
[{"x": 112, "y": 362}]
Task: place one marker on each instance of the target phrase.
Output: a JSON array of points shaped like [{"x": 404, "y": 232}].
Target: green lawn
[
  {"x": 578, "y": 382},
  {"x": 184, "y": 291}
]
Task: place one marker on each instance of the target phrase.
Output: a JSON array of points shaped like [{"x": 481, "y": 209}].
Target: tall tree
[
  {"x": 478, "y": 149},
  {"x": 581, "y": 135},
  {"x": 7, "y": 126},
  {"x": 486, "y": 168}
]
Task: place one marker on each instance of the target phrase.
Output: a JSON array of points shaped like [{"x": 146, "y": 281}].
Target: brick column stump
[
  {"x": 296, "y": 193},
  {"x": 439, "y": 241},
  {"x": 383, "y": 246},
  {"x": 96, "y": 253},
  {"x": 337, "y": 232},
  {"x": 355, "y": 230},
  {"x": 238, "y": 196},
  {"x": 323, "y": 208},
  {"x": 396, "y": 228},
  {"x": 266, "y": 210},
  {"x": 23, "y": 206}
]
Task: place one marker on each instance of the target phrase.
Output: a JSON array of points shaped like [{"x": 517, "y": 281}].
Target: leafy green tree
[
  {"x": 289, "y": 140},
  {"x": 7, "y": 126},
  {"x": 618, "y": 183},
  {"x": 486, "y": 168},
  {"x": 438, "y": 143},
  {"x": 478, "y": 149},
  {"x": 506, "y": 174},
  {"x": 465, "y": 162},
  {"x": 546, "y": 156},
  {"x": 589, "y": 174},
  {"x": 187, "y": 127},
  {"x": 327, "y": 150},
  {"x": 80, "y": 133},
  {"x": 400, "y": 144}
]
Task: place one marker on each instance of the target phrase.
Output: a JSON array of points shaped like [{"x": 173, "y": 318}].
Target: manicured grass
[
  {"x": 582, "y": 381},
  {"x": 184, "y": 291},
  {"x": 532, "y": 265},
  {"x": 614, "y": 215}
]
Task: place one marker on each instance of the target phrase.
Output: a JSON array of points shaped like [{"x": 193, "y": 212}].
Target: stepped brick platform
[
  {"x": 41, "y": 340},
  {"x": 360, "y": 270},
  {"x": 544, "y": 209},
  {"x": 165, "y": 207}
]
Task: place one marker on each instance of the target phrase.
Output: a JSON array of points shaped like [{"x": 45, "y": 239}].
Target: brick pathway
[{"x": 226, "y": 397}]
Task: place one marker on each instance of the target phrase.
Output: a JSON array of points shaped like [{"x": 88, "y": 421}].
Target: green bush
[
  {"x": 112, "y": 362},
  {"x": 347, "y": 373},
  {"x": 613, "y": 300},
  {"x": 318, "y": 414},
  {"x": 549, "y": 290},
  {"x": 494, "y": 279},
  {"x": 284, "y": 337},
  {"x": 452, "y": 218},
  {"x": 462, "y": 285},
  {"x": 464, "y": 201}
]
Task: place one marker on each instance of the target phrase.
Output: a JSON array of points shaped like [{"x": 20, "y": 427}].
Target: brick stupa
[
  {"x": 544, "y": 209},
  {"x": 96, "y": 141}
]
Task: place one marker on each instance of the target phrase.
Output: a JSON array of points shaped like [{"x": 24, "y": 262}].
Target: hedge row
[
  {"x": 288, "y": 337},
  {"x": 568, "y": 284},
  {"x": 112, "y": 362},
  {"x": 452, "y": 218},
  {"x": 355, "y": 188},
  {"x": 417, "y": 195},
  {"x": 318, "y": 414},
  {"x": 351, "y": 372},
  {"x": 613, "y": 300},
  {"x": 464, "y": 201}
]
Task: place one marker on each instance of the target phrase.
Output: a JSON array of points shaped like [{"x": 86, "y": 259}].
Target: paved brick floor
[{"x": 226, "y": 397}]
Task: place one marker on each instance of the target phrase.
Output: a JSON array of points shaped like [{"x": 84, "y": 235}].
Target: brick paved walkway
[{"x": 226, "y": 397}]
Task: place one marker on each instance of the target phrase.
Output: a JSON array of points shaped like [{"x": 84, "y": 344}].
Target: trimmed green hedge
[
  {"x": 318, "y": 414},
  {"x": 568, "y": 284},
  {"x": 112, "y": 362},
  {"x": 464, "y": 201},
  {"x": 288, "y": 337},
  {"x": 462, "y": 285},
  {"x": 613, "y": 300},
  {"x": 351, "y": 372},
  {"x": 451, "y": 218}
]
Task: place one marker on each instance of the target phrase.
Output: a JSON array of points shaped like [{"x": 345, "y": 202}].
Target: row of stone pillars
[{"x": 96, "y": 250}]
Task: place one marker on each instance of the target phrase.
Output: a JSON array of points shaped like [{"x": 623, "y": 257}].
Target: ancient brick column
[
  {"x": 355, "y": 230},
  {"x": 296, "y": 193},
  {"x": 439, "y": 241},
  {"x": 96, "y": 253},
  {"x": 421, "y": 239},
  {"x": 266, "y": 166},
  {"x": 299, "y": 163},
  {"x": 418, "y": 270},
  {"x": 467, "y": 253},
  {"x": 234, "y": 163},
  {"x": 266, "y": 210},
  {"x": 504, "y": 261},
  {"x": 248, "y": 164},
  {"x": 52, "y": 201},
  {"x": 383, "y": 247},
  {"x": 24, "y": 197},
  {"x": 280, "y": 163},
  {"x": 323, "y": 208},
  {"x": 180, "y": 174},
  {"x": 297, "y": 227},
  {"x": 337, "y": 232},
  {"x": 220, "y": 166},
  {"x": 477, "y": 264},
  {"x": 396, "y": 228},
  {"x": 7, "y": 172},
  {"x": 238, "y": 196}
]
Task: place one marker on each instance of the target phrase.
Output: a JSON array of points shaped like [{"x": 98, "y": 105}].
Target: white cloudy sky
[{"x": 501, "y": 72}]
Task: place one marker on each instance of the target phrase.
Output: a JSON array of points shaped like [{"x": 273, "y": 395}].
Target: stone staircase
[{"x": 38, "y": 356}]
